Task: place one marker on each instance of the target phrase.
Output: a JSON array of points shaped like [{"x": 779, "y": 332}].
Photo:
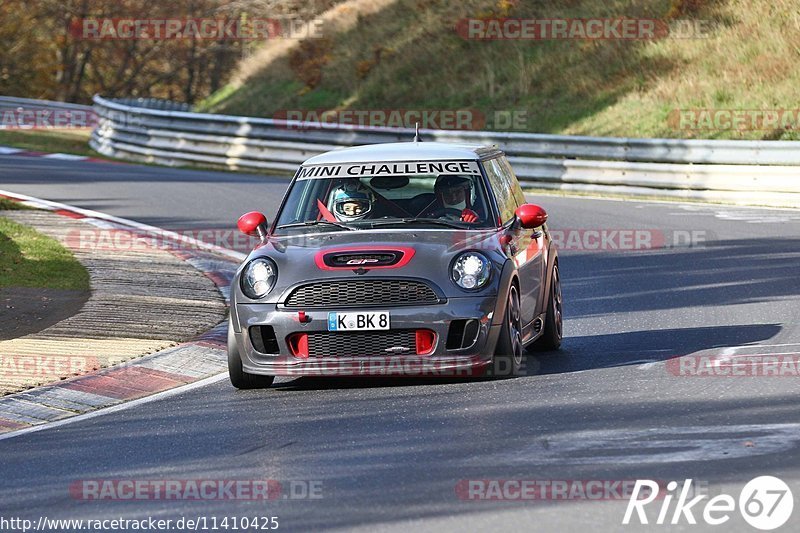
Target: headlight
[
  {"x": 259, "y": 277},
  {"x": 471, "y": 271}
]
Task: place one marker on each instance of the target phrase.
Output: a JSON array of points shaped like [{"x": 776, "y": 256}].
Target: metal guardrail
[
  {"x": 25, "y": 113},
  {"x": 154, "y": 103},
  {"x": 13, "y": 102},
  {"x": 747, "y": 172}
]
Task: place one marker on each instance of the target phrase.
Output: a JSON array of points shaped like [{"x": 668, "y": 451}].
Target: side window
[
  {"x": 502, "y": 189},
  {"x": 516, "y": 190}
]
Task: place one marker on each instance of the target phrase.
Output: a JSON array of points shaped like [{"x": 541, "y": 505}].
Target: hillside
[{"x": 407, "y": 54}]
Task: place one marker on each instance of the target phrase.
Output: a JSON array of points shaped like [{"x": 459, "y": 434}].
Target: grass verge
[
  {"x": 408, "y": 55},
  {"x": 70, "y": 141},
  {"x": 10, "y": 205},
  {"x": 30, "y": 259}
]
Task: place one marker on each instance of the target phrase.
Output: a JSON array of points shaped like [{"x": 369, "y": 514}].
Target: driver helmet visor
[
  {"x": 455, "y": 195},
  {"x": 351, "y": 207}
]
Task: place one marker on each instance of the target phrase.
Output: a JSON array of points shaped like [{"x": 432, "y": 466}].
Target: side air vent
[
  {"x": 263, "y": 339},
  {"x": 462, "y": 334}
]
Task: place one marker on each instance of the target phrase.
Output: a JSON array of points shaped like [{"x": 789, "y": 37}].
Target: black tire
[
  {"x": 554, "y": 319},
  {"x": 239, "y": 378},
  {"x": 507, "y": 360}
]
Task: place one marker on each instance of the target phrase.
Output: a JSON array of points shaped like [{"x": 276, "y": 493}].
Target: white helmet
[{"x": 351, "y": 201}]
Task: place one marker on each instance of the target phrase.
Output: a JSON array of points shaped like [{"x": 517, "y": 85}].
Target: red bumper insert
[
  {"x": 426, "y": 341},
  {"x": 298, "y": 345}
]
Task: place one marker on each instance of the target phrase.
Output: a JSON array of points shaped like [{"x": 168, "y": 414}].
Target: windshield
[{"x": 328, "y": 197}]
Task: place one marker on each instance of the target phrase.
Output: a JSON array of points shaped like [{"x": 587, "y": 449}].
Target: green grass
[
  {"x": 10, "y": 205},
  {"x": 408, "y": 56},
  {"x": 30, "y": 259},
  {"x": 52, "y": 141}
]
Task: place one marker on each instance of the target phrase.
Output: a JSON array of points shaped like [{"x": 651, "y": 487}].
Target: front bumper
[{"x": 469, "y": 361}]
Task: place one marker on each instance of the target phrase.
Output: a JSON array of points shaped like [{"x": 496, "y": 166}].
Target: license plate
[{"x": 374, "y": 321}]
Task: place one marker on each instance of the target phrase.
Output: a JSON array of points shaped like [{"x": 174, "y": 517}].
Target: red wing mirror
[
  {"x": 253, "y": 224},
  {"x": 531, "y": 216}
]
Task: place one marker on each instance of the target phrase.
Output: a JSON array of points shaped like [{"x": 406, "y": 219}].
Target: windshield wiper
[
  {"x": 316, "y": 223},
  {"x": 434, "y": 221}
]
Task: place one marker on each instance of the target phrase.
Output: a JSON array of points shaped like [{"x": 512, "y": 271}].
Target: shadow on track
[
  {"x": 578, "y": 354},
  {"x": 639, "y": 347}
]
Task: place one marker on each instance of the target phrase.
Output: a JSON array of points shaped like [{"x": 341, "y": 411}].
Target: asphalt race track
[{"x": 396, "y": 454}]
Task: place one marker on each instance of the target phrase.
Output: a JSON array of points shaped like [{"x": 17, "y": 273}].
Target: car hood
[{"x": 428, "y": 255}]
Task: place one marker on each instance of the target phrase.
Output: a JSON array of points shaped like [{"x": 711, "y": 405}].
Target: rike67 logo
[{"x": 766, "y": 503}]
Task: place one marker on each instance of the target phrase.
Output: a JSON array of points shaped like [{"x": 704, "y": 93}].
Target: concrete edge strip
[
  {"x": 171, "y": 371},
  {"x": 116, "y": 408}
]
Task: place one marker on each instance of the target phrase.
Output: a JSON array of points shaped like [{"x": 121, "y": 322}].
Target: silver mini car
[{"x": 415, "y": 259}]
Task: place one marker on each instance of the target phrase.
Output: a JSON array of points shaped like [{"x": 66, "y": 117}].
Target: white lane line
[
  {"x": 767, "y": 345},
  {"x": 7, "y": 150},
  {"x": 66, "y": 157},
  {"x": 47, "y": 204},
  {"x": 739, "y": 213},
  {"x": 725, "y": 355},
  {"x": 116, "y": 408},
  {"x": 564, "y": 194},
  {"x": 649, "y": 364},
  {"x": 636, "y": 362},
  {"x": 730, "y": 354}
]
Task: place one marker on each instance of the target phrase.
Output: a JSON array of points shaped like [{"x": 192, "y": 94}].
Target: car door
[{"x": 526, "y": 244}]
